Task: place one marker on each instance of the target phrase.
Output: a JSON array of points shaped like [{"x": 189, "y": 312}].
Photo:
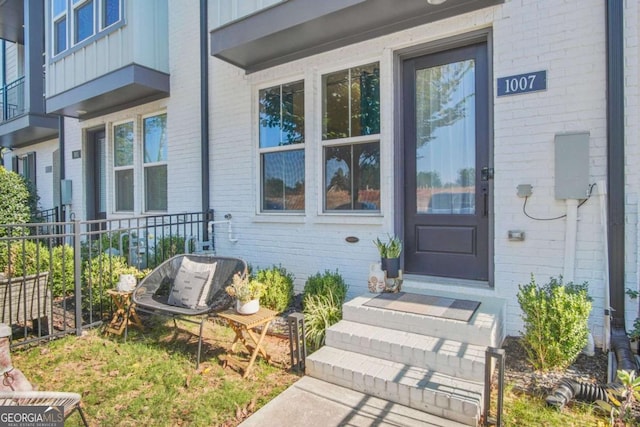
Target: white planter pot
[{"x": 249, "y": 307}]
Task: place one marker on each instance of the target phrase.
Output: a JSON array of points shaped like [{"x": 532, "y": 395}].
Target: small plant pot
[
  {"x": 249, "y": 307},
  {"x": 391, "y": 266}
]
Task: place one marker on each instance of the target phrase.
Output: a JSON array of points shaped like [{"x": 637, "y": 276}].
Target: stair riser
[
  {"x": 477, "y": 332},
  {"x": 440, "y": 404},
  {"x": 413, "y": 355}
]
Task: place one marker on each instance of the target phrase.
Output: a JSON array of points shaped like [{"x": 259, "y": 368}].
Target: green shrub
[
  {"x": 94, "y": 247},
  {"x": 23, "y": 258},
  {"x": 14, "y": 200},
  {"x": 320, "y": 312},
  {"x": 165, "y": 248},
  {"x": 279, "y": 288},
  {"x": 555, "y": 322},
  {"x": 101, "y": 274},
  {"x": 62, "y": 283},
  {"x": 329, "y": 283}
]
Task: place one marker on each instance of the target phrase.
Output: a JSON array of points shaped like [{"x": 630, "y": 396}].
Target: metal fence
[
  {"x": 12, "y": 99},
  {"x": 54, "y": 276}
]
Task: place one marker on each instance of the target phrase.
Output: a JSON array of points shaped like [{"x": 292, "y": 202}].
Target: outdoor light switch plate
[{"x": 525, "y": 190}]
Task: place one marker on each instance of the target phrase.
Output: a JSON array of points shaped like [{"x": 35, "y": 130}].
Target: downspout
[
  {"x": 204, "y": 110},
  {"x": 615, "y": 157},
  {"x": 61, "y": 153}
]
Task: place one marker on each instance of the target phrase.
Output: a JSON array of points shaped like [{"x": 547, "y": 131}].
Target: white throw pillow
[{"x": 192, "y": 277}]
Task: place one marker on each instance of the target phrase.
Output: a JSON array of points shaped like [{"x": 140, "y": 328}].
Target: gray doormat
[{"x": 427, "y": 305}]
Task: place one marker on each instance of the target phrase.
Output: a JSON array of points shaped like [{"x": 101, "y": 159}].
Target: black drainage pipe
[{"x": 569, "y": 389}]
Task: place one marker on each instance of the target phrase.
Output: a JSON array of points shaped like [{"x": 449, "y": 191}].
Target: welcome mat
[{"x": 427, "y": 305}]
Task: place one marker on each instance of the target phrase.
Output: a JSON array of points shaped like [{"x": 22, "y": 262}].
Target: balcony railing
[{"x": 12, "y": 99}]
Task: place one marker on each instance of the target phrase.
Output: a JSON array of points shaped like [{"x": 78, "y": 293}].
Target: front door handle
[{"x": 486, "y": 173}]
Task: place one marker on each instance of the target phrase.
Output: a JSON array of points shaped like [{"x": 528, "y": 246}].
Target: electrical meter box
[{"x": 572, "y": 165}]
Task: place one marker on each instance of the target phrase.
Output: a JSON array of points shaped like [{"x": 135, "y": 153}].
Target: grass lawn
[{"x": 152, "y": 380}]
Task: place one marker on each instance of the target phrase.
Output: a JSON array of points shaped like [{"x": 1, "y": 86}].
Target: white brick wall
[
  {"x": 565, "y": 38},
  {"x": 44, "y": 180}
]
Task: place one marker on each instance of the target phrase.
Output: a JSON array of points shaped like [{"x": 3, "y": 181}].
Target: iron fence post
[{"x": 77, "y": 272}]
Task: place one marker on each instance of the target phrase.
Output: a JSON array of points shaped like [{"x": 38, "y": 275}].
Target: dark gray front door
[
  {"x": 96, "y": 175},
  {"x": 446, "y": 161}
]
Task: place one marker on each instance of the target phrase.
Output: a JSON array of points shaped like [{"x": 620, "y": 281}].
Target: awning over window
[{"x": 299, "y": 28}]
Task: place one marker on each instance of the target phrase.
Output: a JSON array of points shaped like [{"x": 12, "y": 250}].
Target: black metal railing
[
  {"x": 54, "y": 276},
  {"x": 12, "y": 99}
]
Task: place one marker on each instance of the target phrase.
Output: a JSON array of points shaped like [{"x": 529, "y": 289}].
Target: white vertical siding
[
  {"x": 142, "y": 40},
  {"x": 222, "y": 12}
]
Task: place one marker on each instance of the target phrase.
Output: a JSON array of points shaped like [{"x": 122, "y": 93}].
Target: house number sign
[{"x": 522, "y": 83}]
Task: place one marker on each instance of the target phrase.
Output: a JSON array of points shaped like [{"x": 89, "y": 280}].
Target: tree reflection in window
[{"x": 281, "y": 147}]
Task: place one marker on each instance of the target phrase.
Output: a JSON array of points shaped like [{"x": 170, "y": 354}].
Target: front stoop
[{"x": 427, "y": 363}]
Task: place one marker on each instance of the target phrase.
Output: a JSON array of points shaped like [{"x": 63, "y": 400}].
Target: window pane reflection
[
  {"x": 84, "y": 22},
  {"x": 283, "y": 180},
  {"x": 445, "y": 139},
  {"x": 124, "y": 190},
  {"x": 351, "y": 102},
  {"x": 352, "y": 177},
  {"x": 155, "y": 182},
  {"x": 123, "y": 144},
  {"x": 282, "y": 115}
]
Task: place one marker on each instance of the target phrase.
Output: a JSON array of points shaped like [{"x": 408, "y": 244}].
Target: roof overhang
[
  {"x": 124, "y": 88},
  {"x": 12, "y": 20},
  {"x": 299, "y": 28},
  {"x": 28, "y": 129}
]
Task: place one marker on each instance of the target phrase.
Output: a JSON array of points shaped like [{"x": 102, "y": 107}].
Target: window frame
[
  {"x": 348, "y": 141},
  {"x": 115, "y": 168},
  {"x": 299, "y": 146},
  {"x": 69, "y": 15},
  {"x": 76, "y": 5},
  {"x": 144, "y": 165}
]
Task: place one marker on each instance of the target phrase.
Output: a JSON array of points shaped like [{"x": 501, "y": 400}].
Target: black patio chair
[{"x": 187, "y": 287}]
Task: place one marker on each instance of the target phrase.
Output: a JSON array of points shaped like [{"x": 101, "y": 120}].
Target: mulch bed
[{"x": 520, "y": 373}]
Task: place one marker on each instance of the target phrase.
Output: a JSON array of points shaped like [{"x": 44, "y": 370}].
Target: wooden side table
[
  {"x": 244, "y": 326},
  {"x": 122, "y": 301}
]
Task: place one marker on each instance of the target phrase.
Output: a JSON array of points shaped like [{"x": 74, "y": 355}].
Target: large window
[
  {"x": 74, "y": 21},
  {"x": 123, "y": 166},
  {"x": 282, "y": 147},
  {"x": 155, "y": 162},
  {"x": 351, "y": 139}
]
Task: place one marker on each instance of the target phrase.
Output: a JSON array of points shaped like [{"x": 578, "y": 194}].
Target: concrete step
[
  {"x": 310, "y": 402},
  {"x": 419, "y": 388},
  {"x": 447, "y": 356},
  {"x": 485, "y": 328}
]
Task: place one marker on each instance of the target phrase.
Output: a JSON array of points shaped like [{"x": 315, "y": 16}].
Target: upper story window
[
  {"x": 75, "y": 21},
  {"x": 351, "y": 139},
  {"x": 83, "y": 20},
  {"x": 281, "y": 147}
]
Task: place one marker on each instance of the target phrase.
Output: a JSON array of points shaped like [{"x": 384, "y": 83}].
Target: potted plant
[
  {"x": 247, "y": 292},
  {"x": 390, "y": 255}
]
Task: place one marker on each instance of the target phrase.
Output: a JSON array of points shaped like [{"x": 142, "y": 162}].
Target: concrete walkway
[{"x": 314, "y": 403}]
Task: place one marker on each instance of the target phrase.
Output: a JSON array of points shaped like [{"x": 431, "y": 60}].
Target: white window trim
[
  {"x": 98, "y": 30},
  {"x": 260, "y": 151},
  {"x": 115, "y": 168},
  {"x": 75, "y": 5},
  {"x": 143, "y": 165},
  {"x": 330, "y": 217}
]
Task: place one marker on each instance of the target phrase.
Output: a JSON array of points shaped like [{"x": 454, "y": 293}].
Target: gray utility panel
[{"x": 572, "y": 165}]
